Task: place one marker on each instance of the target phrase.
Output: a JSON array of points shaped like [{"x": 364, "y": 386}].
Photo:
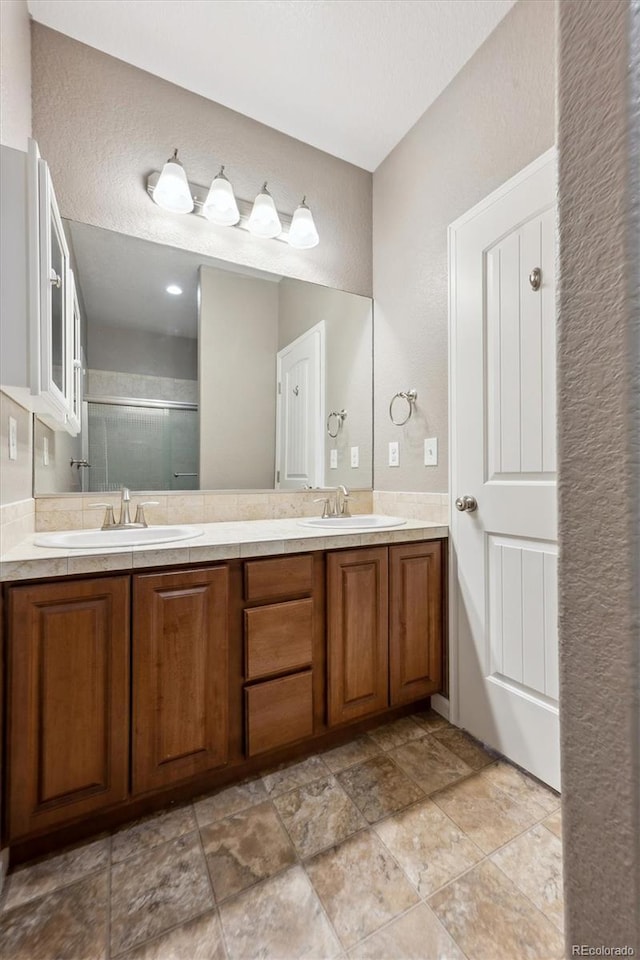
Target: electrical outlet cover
[
  {"x": 355, "y": 456},
  {"x": 333, "y": 459},
  {"x": 394, "y": 454},
  {"x": 431, "y": 452},
  {"x": 13, "y": 438}
]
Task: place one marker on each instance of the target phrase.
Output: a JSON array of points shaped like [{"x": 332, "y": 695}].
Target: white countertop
[{"x": 219, "y": 541}]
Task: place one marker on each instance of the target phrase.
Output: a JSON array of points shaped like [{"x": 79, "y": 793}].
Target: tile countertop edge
[{"x": 249, "y": 538}]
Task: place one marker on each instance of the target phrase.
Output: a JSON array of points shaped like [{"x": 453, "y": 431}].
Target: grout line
[{"x": 109, "y": 889}]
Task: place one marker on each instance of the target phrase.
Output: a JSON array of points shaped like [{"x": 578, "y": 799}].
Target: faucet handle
[
  {"x": 326, "y": 513},
  {"x": 140, "y": 517},
  {"x": 109, "y": 519}
]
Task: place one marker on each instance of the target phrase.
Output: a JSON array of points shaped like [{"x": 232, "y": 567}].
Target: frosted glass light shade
[
  {"x": 172, "y": 189},
  {"x": 220, "y": 206},
  {"x": 264, "y": 220},
  {"x": 302, "y": 232}
]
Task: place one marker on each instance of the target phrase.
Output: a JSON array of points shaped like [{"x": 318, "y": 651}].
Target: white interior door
[
  {"x": 300, "y": 411},
  {"x": 503, "y": 455}
]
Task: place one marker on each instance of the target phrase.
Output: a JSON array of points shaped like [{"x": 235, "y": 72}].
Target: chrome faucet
[{"x": 125, "y": 520}]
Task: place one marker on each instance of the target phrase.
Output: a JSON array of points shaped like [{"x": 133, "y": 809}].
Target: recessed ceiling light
[{"x": 174, "y": 289}]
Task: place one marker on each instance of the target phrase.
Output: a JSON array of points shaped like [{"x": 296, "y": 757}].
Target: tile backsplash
[
  {"x": 73, "y": 511},
  {"x": 17, "y": 521},
  {"x": 412, "y": 505},
  {"x": 78, "y": 512}
]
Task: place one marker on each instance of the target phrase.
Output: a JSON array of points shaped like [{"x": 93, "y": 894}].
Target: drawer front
[
  {"x": 279, "y": 712},
  {"x": 279, "y": 578},
  {"x": 278, "y": 638}
]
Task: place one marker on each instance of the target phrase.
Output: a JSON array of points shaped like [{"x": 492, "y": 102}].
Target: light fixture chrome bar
[
  {"x": 199, "y": 194},
  {"x": 141, "y": 402}
]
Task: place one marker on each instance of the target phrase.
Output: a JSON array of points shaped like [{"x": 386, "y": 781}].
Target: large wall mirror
[{"x": 203, "y": 375}]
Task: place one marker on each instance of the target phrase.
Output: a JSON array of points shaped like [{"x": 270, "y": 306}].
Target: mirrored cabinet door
[
  {"x": 55, "y": 320},
  {"x": 75, "y": 371}
]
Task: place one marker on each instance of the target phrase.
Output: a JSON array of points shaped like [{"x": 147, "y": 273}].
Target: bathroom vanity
[{"x": 164, "y": 679}]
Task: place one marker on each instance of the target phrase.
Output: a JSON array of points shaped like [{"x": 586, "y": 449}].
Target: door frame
[
  {"x": 450, "y": 708},
  {"x": 319, "y": 440}
]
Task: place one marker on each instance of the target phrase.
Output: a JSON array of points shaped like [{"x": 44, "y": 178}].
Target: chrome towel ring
[
  {"x": 340, "y": 417},
  {"x": 410, "y": 396}
]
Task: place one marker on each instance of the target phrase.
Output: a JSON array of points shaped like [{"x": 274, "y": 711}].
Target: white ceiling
[{"x": 347, "y": 76}]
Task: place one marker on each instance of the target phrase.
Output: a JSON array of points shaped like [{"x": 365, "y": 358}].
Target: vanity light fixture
[
  {"x": 264, "y": 220},
  {"x": 217, "y": 203},
  {"x": 302, "y": 233},
  {"x": 172, "y": 189},
  {"x": 174, "y": 289},
  {"x": 220, "y": 206}
]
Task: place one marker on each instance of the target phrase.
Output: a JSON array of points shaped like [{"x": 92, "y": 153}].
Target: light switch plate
[
  {"x": 431, "y": 452},
  {"x": 355, "y": 456},
  {"x": 394, "y": 454},
  {"x": 333, "y": 459},
  {"x": 13, "y": 438},
  {"x": 45, "y": 451}
]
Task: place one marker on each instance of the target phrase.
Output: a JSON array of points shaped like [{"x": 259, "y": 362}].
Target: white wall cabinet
[{"x": 40, "y": 360}]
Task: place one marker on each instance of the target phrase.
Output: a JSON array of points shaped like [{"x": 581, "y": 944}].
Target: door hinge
[
  {"x": 279, "y": 389},
  {"x": 277, "y": 476}
]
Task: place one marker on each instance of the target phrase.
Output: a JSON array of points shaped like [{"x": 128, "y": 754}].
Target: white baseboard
[{"x": 440, "y": 704}]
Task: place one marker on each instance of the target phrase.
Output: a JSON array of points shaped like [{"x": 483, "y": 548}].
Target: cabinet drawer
[
  {"x": 279, "y": 712},
  {"x": 276, "y": 579},
  {"x": 278, "y": 638}
]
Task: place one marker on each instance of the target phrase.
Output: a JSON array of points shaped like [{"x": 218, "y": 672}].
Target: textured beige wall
[
  {"x": 104, "y": 125},
  {"x": 599, "y": 468},
  {"x": 15, "y": 475},
  {"x": 237, "y": 346},
  {"x": 495, "y": 117},
  {"x": 15, "y": 74}
]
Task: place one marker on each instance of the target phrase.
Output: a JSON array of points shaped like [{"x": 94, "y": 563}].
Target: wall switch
[
  {"x": 13, "y": 438},
  {"x": 333, "y": 459},
  {"x": 394, "y": 454},
  {"x": 431, "y": 452},
  {"x": 45, "y": 451},
  {"x": 355, "y": 456}
]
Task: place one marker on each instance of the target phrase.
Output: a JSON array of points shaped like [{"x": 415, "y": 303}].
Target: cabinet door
[
  {"x": 416, "y": 623},
  {"x": 56, "y": 320},
  {"x": 357, "y": 633},
  {"x": 180, "y": 675},
  {"x": 68, "y": 701}
]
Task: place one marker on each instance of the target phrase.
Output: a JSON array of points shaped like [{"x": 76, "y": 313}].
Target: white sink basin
[
  {"x": 134, "y": 537},
  {"x": 367, "y": 521}
]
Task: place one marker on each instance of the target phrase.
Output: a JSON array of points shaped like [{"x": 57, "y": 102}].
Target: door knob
[{"x": 466, "y": 503}]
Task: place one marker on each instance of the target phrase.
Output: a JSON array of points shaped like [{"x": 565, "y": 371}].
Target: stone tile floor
[{"x": 409, "y": 842}]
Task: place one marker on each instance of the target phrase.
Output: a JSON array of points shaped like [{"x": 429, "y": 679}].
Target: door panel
[
  {"x": 69, "y": 700},
  {"x": 503, "y": 454},
  {"x": 180, "y": 675},
  {"x": 357, "y": 638}
]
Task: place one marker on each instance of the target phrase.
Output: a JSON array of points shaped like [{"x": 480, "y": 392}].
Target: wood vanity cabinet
[
  {"x": 230, "y": 663},
  {"x": 385, "y": 627},
  {"x": 283, "y": 627},
  {"x": 180, "y": 675},
  {"x": 416, "y": 627},
  {"x": 68, "y": 701},
  {"x": 357, "y": 633}
]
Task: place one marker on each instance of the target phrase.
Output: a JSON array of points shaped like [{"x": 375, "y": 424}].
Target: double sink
[{"x": 141, "y": 536}]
